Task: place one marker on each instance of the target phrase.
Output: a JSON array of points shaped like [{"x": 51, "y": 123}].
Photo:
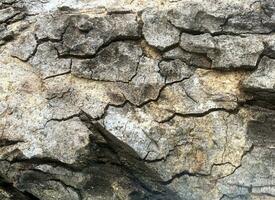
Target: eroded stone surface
[
  {"x": 261, "y": 82},
  {"x": 138, "y": 100},
  {"x": 86, "y": 39},
  {"x": 226, "y": 52},
  {"x": 158, "y": 31},
  {"x": 117, "y": 62}
]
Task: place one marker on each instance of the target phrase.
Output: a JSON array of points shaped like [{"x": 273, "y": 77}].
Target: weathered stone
[
  {"x": 51, "y": 27},
  {"x": 175, "y": 70},
  {"x": 226, "y": 52},
  {"x": 257, "y": 175},
  {"x": 193, "y": 59},
  {"x": 47, "y": 62},
  {"x": 198, "y": 43},
  {"x": 196, "y": 17},
  {"x": 7, "y": 14},
  {"x": 158, "y": 31},
  {"x": 137, "y": 100},
  {"x": 261, "y": 82},
  {"x": 146, "y": 84},
  {"x": 6, "y": 35},
  {"x": 82, "y": 41},
  {"x": 205, "y": 90},
  {"x": 237, "y": 52},
  {"x": 26, "y": 47},
  {"x": 117, "y": 62}
]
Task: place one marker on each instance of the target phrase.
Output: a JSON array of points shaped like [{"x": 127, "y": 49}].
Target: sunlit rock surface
[{"x": 117, "y": 100}]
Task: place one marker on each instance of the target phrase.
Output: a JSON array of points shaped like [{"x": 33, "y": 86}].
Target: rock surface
[{"x": 117, "y": 100}]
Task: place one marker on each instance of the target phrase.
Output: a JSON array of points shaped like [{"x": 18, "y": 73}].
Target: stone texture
[
  {"x": 225, "y": 52},
  {"x": 261, "y": 82},
  {"x": 157, "y": 30},
  {"x": 47, "y": 62},
  {"x": 26, "y": 47},
  {"x": 117, "y": 62},
  {"x": 156, "y": 100},
  {"x": 86, "y": 39}
]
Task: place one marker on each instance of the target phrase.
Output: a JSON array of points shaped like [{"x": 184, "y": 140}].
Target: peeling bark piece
[
  {"x": 47, "y": 62},
  {"x": 85, "y": 38},
  {"x": 26, "y": 47},
  {"x": 117, "y": 62},
  {"x": 157, "y": 30},
  {"x": 261, "y": 83}
]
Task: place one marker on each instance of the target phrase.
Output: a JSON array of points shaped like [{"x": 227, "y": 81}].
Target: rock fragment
[
  {"x": 85, "y": 36},
  {"x": 26, "y": 47},
  {"x": 261, "y": 83},
  {"x": 175, "y": 70},
  {"x": 117, "y": 62},
  {"x": 158, "y": 31},
  {"x": 226, "y": 52},
  {"x": 47, "y": 63}
]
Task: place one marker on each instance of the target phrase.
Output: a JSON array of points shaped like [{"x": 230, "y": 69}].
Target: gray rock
[
  {"x": 47, "y": 63},
  {"x": 226, "y": 52},
  {"x": 251, "y": 22},
  {"x": 80, "y": 40},
  {"x": 237, "y": 52},
  {"x": 6, "y": 35},
  {"x": 146, "y": 84},
  {"x": 193, "y": 59},
  {"x": 7, "y": 14},
  {"x": 117, "y": 62},
  {"x": 261, "y": 83},
  {"x": 158, "y": 31},
  {"x": 223, "y": 17},
  {"x": 51, "y": 27},
  {"x": 196, "y": 17},
  {"x": 26, "y": 47},
  {"x": 197, "y": 43},
  {"x": 257, "y": 175},
  {"x": 174, "y": 70},
  {"x": 137, "y": 100},
  {"x": 263, "y": 78}
]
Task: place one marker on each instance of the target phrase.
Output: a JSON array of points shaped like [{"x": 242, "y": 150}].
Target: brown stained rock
[
  {"x": 164, "y": 100},
  {"x": 204, "y": 90}
]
